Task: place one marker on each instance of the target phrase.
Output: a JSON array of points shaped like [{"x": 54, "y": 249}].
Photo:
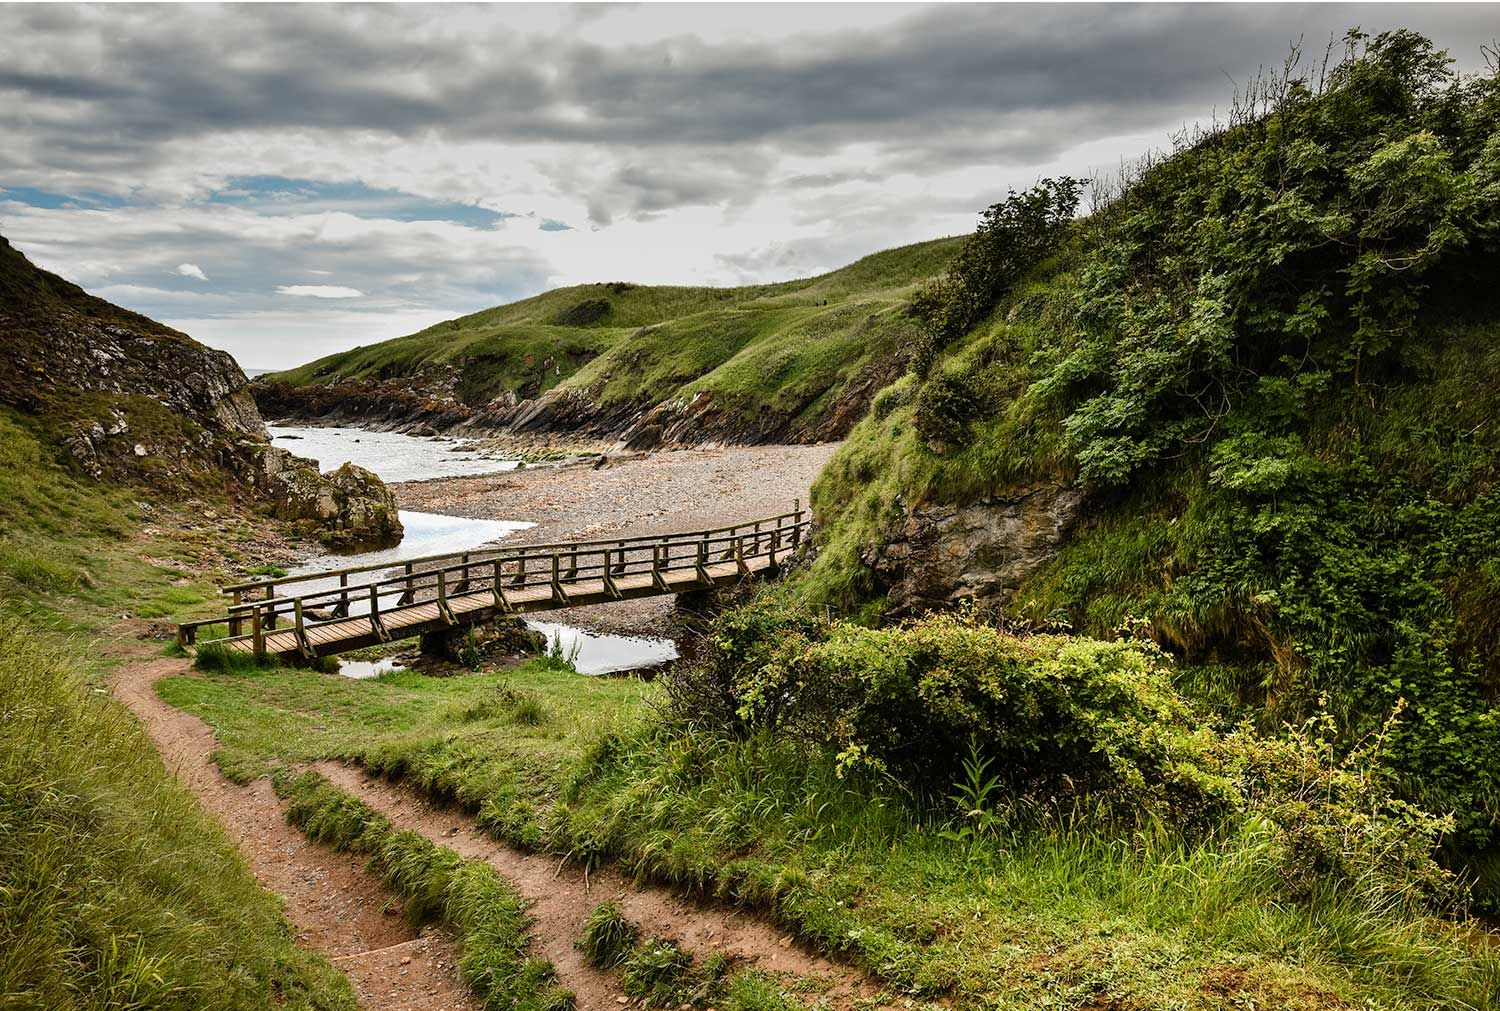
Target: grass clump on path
[
  {"x": 608, "y": 936},
  {"x": 486, "y": 913}
]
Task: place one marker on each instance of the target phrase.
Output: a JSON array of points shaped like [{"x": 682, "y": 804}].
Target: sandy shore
[{"x": 687, "y": 489}]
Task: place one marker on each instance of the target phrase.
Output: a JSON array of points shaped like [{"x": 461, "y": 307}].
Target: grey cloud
[{"x": 956, "y": 70}]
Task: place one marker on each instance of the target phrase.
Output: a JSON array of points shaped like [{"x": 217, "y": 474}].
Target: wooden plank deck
[{"x": 403, "y": 601}]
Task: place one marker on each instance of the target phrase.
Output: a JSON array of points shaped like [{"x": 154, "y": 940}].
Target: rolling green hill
[{"x": 797, "y": 360}]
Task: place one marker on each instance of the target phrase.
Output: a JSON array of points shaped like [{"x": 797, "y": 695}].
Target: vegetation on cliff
[
  {"x": 781, "y": 361},
  {"x": 1269, "y": 363}
]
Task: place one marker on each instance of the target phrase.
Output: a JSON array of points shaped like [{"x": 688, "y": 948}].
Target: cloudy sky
[{"x": 284, "y": 182}]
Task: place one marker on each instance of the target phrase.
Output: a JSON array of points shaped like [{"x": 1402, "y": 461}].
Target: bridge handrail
[
  {"x": 536, "y": 577},
  {"x": 602, "y": 560},
  {"x": 508, "y": 549}
]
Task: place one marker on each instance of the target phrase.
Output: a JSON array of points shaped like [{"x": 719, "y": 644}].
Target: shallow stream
[{"x": 398, "y": 457}]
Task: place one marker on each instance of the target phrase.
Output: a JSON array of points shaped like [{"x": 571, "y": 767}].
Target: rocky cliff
[{"x": 128, "y": 399}]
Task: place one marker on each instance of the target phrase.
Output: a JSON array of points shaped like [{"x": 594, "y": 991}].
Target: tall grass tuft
[
  {"x": 607, "y": 936},
  {"x": 115, "y": 890}
]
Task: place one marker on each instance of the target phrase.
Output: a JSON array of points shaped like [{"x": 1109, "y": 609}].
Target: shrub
[
  {"x": 1053, "y": 713},
  {"x": 1013, "y": 235},
  {"x": 946, "y": 404}
]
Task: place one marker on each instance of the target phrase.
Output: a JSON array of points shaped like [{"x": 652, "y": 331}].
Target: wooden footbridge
[{"x": 350, "y": 608}]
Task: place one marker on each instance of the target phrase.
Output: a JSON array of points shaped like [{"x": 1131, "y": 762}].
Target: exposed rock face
[
  {"x": 980, "y": 551},
  {"x": 129, "y": 399}
]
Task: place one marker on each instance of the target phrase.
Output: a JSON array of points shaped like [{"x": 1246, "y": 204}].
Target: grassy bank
[
  {"x": 115, "y": 889},
  {"x": 486, "y": 914},
  {"x": 1060, "y": 911}
]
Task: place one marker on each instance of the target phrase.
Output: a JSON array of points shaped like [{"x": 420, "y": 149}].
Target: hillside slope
[
  {"x": 1250, "y": 407},
  {"x": 126, "y": 399},
  {"x": 796, "y": 361}
]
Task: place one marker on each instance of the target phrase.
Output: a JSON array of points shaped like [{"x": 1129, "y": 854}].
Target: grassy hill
[
  {"x": 1250, "y": 406},
  {"x": 774, "y": 360}
]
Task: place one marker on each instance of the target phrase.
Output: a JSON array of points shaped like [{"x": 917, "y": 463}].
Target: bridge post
[
  {"x": 702, "y": 562},
  {"x": 234, "y": 614},
  {"x": 499, "y": 590},
  {"x": 302, "y": 644},
  {"x": 657, "y": 579},
  {"x": 609, "y": 577},
  {"x": 343, "y": 608},
  {"x": 572, "y": 572},
  {"x": 409, "y": 594},
  {"x": 739, "y": 554},
  {"x": 376, "y": 625},
  {"x": 796, "y": 523},
  {"x": 463, "y": 580},
  {"x": 257, "y": 633},
  {"x": 442, "y": 599},
  {"x": 558, "y": 593},
  {"x": 271, "y": 614}
]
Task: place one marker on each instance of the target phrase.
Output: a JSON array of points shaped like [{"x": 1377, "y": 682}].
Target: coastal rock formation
[
  {"x": 977, "y": 551},
  {"x": 128, "y": 399},
  {"x": 349, "y": 508}
]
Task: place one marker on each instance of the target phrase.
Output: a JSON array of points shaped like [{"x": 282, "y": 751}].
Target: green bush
[
  {"x": 1053, "y": 712},
  {"x": 1012, "y": 237}
]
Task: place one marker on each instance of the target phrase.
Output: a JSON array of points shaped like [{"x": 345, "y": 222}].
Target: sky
[{"x": 284, "y": 182}]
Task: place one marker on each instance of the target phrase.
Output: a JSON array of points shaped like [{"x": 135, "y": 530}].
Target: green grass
[
  {"x": 664, "y": 975},
  {"x": 1060, "y": 915},
  {"x": 777, "y": 355},
  {"x": 486, "y": 913},
  {"x": 116, "y": 890}
]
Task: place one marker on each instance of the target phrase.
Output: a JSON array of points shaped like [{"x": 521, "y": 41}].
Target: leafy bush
[
  {"x": 1052, "y": 712},
  {"x": 1012, "y": 236}
]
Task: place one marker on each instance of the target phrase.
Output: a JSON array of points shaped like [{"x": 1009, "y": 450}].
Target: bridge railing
[{"x": 505, "y": 572}]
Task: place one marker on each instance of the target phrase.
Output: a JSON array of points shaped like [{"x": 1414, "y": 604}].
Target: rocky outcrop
[
  {"x": 981, "y": 551},
  {"x": 348, "y": 509},
  {"x": 129, "y": 399}
]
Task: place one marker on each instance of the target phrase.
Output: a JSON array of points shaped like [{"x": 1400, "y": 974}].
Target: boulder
[{"x": 349, "y": 509}]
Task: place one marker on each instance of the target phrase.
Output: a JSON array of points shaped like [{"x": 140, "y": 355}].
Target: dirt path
[
  {"x": 335, "y": 905},
  {"x": 686, "y": 489},
  {"x": 561, "y": 898},
  {"x": 344, "y": 911}
]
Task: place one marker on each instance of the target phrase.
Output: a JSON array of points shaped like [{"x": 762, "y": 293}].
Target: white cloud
[
  {"x": 192, "y": 270},
  {"x": 320, "y": 291}
]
